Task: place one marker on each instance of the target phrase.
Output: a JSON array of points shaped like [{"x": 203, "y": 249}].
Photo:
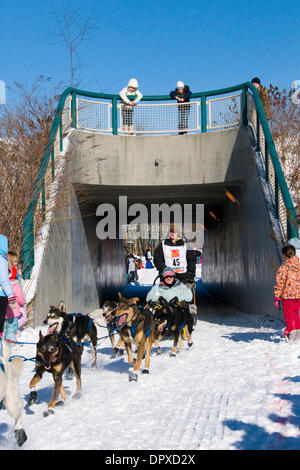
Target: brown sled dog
[{"x": 134, "y": 325}]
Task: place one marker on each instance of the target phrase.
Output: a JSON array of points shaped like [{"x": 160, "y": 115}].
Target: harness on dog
[
  {"x": 67, "y": 341},
  {"x": 133, "y": 329},
  {"x": 147, "y": 323},
  {"x": 80, "y": 315}
]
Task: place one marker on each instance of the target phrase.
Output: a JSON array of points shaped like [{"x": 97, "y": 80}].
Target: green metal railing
[{"x": 59, "y": 128}]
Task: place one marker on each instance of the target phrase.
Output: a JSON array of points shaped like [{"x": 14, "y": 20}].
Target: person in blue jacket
[
  {"x": 6, "y": 290},
  {"x": 169, "y": 288},
  {"x": 182, "y": 94}
]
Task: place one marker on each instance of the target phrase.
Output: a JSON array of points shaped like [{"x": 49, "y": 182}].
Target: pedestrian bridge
[{"x": 226, "y": 161}]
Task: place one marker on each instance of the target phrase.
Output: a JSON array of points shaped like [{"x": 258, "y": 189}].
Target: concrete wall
[
  {"x": 66, "y": 272},
  {"x": 240, "y": 254},
  {"x": 54, "y": 281},
  {"x": 122, "y": 160}
]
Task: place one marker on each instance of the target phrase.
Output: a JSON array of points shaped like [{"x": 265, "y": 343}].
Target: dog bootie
[
  {"x": 133, "y": 377},
  {"x": 20, "y": 436},
  {"x": 48, "y": 412},
  {"x": 33, "y": 398}
]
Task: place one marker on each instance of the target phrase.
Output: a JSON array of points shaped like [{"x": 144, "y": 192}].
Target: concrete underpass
[{"x": 241, "y": 254}]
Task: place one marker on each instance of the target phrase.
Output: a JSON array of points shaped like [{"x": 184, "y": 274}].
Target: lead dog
[
  {"x": 10, "y": 372},
  {"x": 77, "y": 326},
  {"x": 134, "y": 325},
  {"x": 54, "y": 354}
]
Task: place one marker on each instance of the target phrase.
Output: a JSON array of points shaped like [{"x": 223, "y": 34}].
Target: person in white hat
[
  {"x": 182, "y": 94},
  {"x": 130, "y": 97}
]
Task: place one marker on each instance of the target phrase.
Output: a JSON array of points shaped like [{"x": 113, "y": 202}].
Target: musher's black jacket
[{"x": 159, "y": 260}]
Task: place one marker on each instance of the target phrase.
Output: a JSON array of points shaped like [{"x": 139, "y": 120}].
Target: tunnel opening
[{"x": 108, "y": 256}]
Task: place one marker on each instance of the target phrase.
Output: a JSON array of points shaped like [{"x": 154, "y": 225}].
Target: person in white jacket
[{"x": 130, "y": 97}]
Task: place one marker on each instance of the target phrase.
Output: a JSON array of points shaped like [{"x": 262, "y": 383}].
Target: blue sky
[{"x": 207, "y": 44}]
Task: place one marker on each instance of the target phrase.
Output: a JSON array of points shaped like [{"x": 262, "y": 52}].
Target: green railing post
[
  {"x": 203, "y": 114},
  {"x": 74, "y": 110},
  {"x": 114, "y": 116}
]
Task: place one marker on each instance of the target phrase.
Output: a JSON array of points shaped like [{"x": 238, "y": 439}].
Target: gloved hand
[
  {"x": 277, "y": 303},
  {"x": 162, "y": 301},
  {"x": 12, "y": 302},
  {"x": 173, "y": 302}
]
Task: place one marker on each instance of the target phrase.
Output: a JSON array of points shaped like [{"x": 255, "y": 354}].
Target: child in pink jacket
[
  {"x": 287, "y": 289},
  {"x": 12, "y": 315},
  {"x": 13, "y": 260}
]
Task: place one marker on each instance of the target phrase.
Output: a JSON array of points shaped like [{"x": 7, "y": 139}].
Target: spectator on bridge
[
  {"x": 287, "y": 289},
  {"x": 6, "y": 291},
  {"x": 130, "y": 97},
  {"x": 173, "y": 253},
  {"x": 182, "y": 94},
  {"x": 264, "y": 97}
]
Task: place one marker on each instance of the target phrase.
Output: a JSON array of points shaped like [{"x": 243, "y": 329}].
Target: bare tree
[
  {"x": 285, "y": 128},
  {"x": 74, "y": 27},
  {"x": 24, "y": 130}
]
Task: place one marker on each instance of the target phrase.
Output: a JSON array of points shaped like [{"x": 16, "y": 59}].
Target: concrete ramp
[{"x": 241, "y": 248}]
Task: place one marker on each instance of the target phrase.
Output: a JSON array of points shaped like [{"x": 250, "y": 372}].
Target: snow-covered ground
[{"x": 238, "y": 387}]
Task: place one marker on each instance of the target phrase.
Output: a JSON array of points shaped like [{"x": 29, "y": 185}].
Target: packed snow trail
[{"x": 238, "y": 387}]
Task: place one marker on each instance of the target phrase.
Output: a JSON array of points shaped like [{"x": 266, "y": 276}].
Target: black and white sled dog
[
  {"x": 77, "y": 326},
  {"x": 10, "y": 372}
]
